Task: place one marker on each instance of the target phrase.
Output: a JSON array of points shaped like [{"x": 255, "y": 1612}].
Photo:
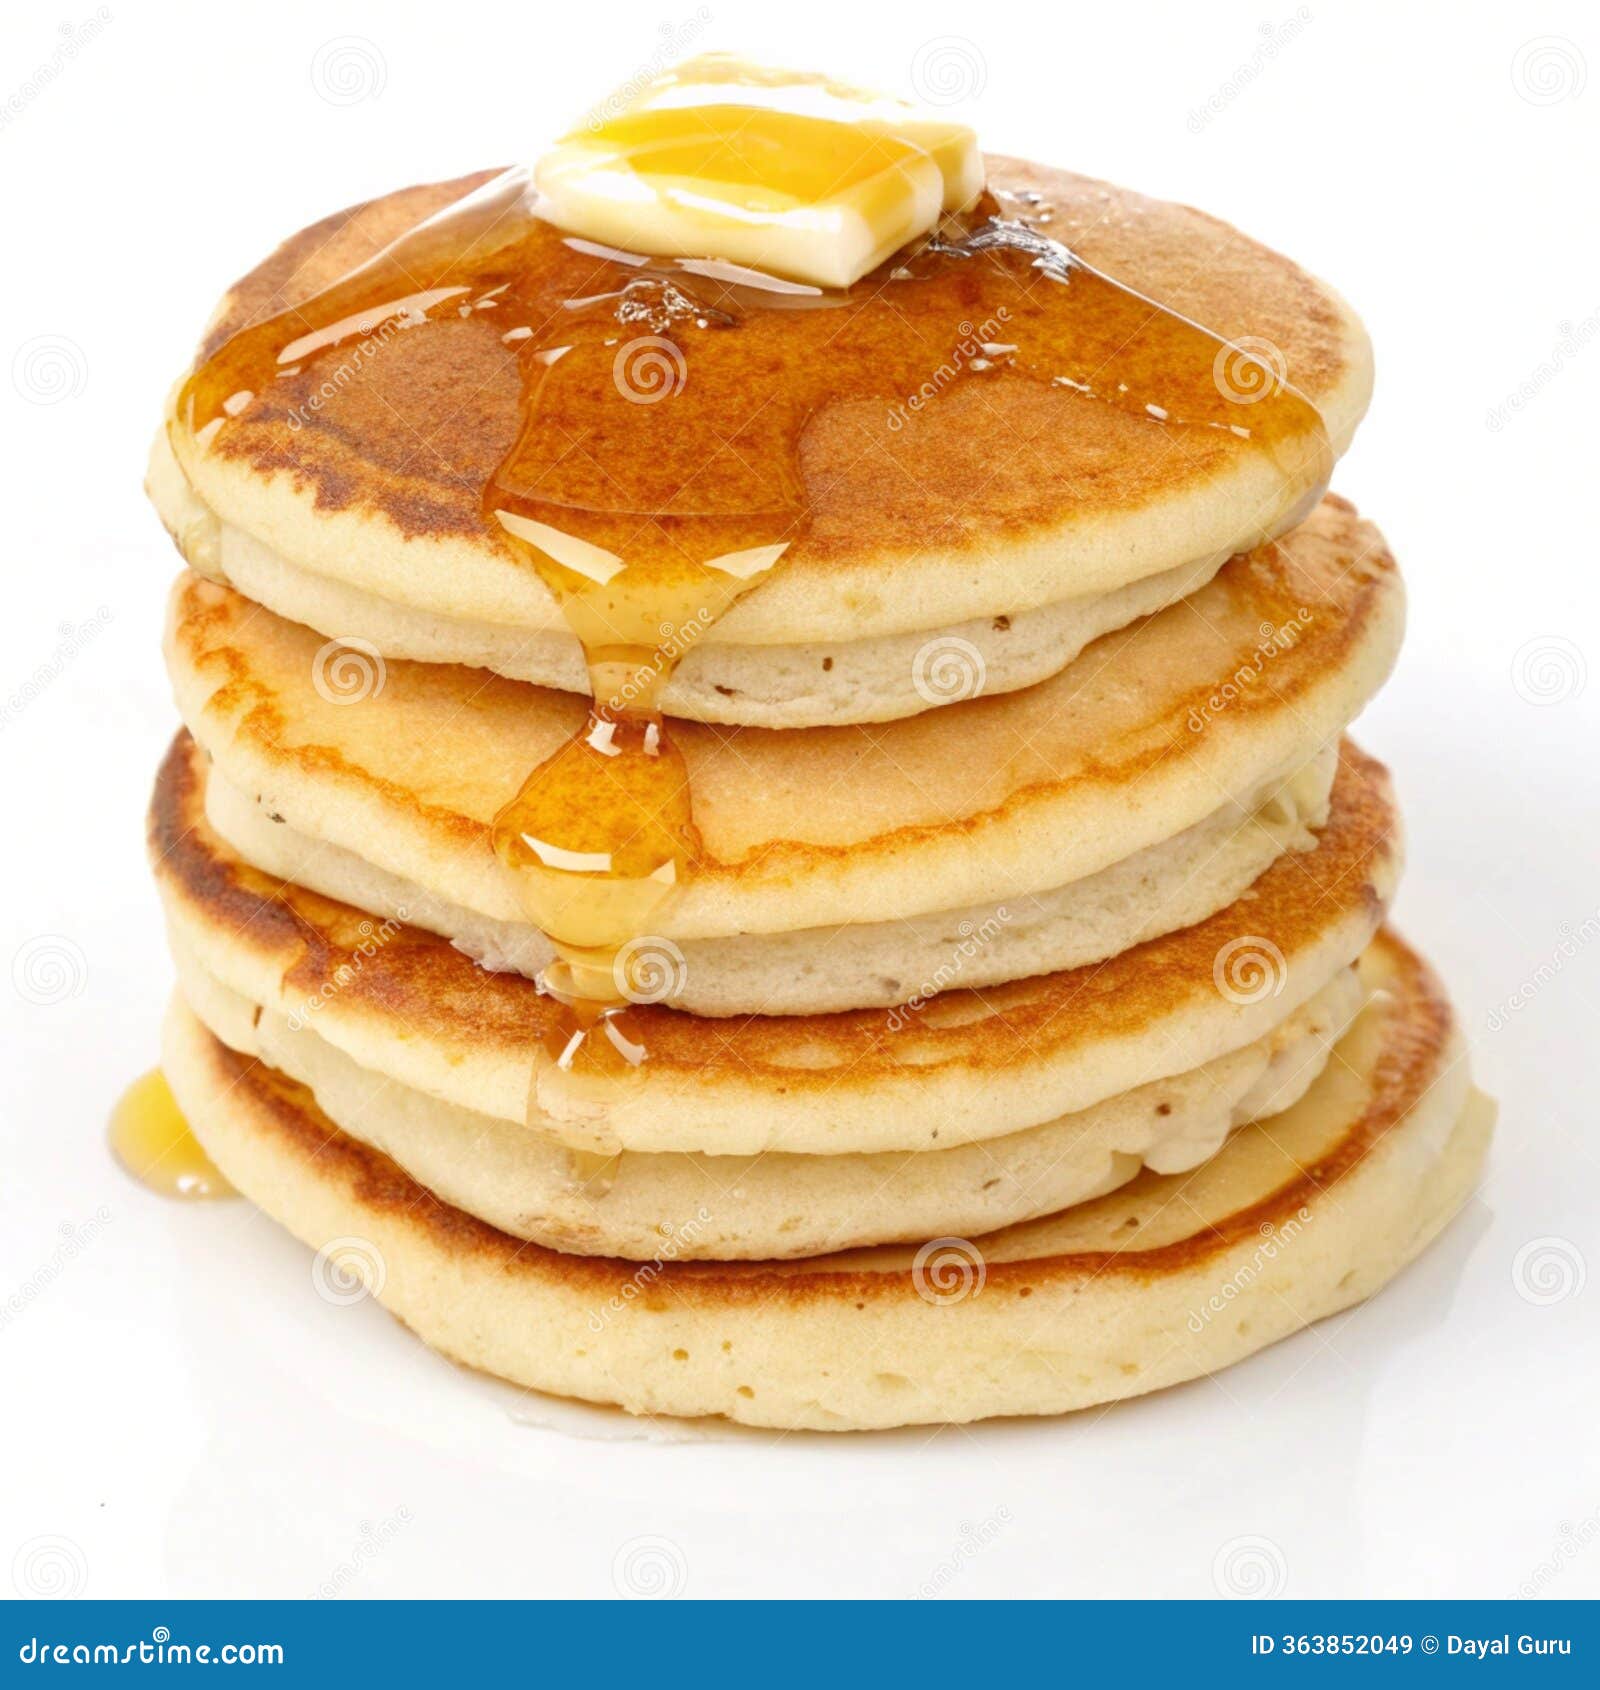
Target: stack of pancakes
[{"x": 1028, "y": 1035}]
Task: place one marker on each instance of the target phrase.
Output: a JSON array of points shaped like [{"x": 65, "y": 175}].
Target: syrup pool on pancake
[{"x": 684, "y": 285}]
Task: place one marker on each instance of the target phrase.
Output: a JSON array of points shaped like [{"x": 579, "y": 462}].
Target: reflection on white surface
[{"x": 307, "y": 1446}]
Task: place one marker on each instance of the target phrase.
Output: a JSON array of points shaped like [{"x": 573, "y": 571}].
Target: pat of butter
[{"x": 782, "y": 171}]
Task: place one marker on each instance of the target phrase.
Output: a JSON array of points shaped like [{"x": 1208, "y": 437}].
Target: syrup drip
[
  {"x": 151, "y": 1139},
  {"x": 656, "y": 477}
]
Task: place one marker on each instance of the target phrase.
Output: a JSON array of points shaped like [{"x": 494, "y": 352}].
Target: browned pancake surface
[
  {"x": 1418, "y": 1025},
  {"x": 421, "y": 985},
  {"x": 415, "y": 440},
  {"x": 447, "y": 746}
]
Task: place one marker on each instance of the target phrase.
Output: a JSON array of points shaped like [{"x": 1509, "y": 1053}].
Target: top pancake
[{"x": 1001, "y": 498}]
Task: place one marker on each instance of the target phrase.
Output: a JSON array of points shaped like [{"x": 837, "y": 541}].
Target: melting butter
[{"x": 788, "y": 172}]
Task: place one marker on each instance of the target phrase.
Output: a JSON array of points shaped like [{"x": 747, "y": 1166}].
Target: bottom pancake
[{"x": 1168, "y": 1278}]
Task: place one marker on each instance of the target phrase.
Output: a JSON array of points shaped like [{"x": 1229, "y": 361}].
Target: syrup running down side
[{"x": 657, "y": 476}]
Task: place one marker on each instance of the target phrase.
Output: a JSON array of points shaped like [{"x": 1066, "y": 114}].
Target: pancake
[
  {"x": 1001, "y": 517},
  {"x": 1145, "y": 735},
  {"x": 723, "y": 1208},
  {"x": 867, "y": 964},
  {"x": 962, "y": 1067},
  {"x": 1164, "y": 1280},
  {"x": 765, "y": 686}
]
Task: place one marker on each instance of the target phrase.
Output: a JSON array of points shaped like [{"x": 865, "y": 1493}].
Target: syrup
[
  {"x": 656, "y": 476},
  {"x": 151, "y": 1139}
]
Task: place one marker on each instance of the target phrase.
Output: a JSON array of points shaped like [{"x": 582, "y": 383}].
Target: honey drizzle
[
  {"x": 656, "y": 477},
  {"x": 152, "y": 1141}
]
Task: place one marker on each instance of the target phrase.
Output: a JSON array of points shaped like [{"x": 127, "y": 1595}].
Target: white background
[{"x": 182, "y": 1415}]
